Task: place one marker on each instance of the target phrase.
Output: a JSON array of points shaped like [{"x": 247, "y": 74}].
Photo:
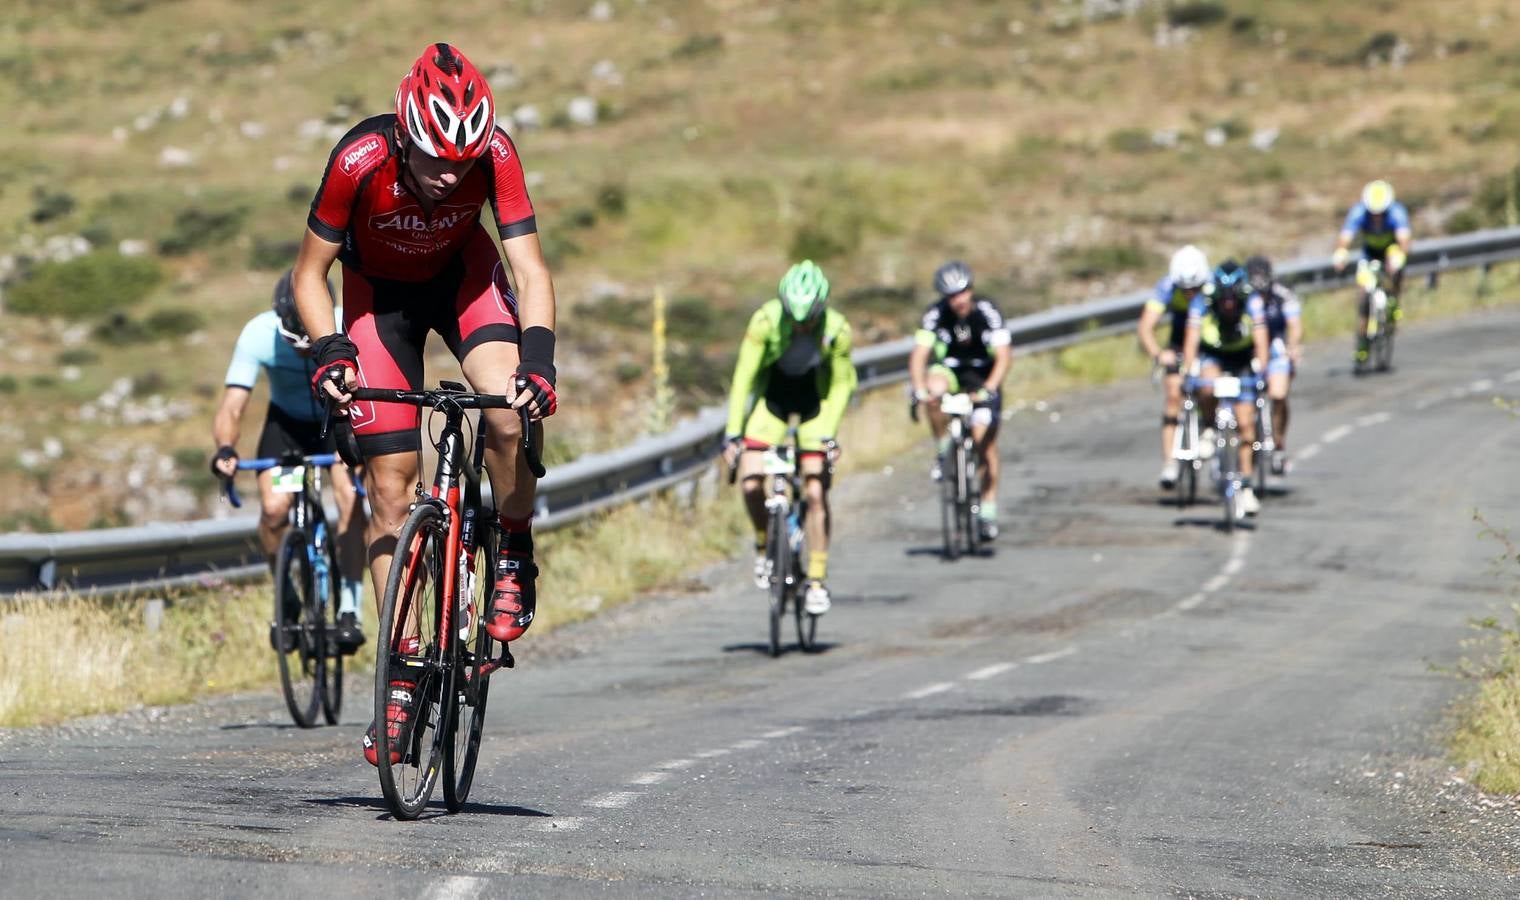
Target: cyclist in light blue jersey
[
  {"x": 276, "y": 343},
  {"x": 1285, "y": 336},
  {"x": 1382, "y": 222}
]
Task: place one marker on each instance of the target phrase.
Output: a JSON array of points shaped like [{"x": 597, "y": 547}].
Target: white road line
[
  {"x": 676, "y": 764},
  {"x": 650, "y": 778},
  {"x": 1192, "y": 602},
  {"x": 559, "y": 823},
  {"x": 1481, "y": 385},
  {"x": 991, "y": 671},
  {"x": 1233, "y": 567},
  {"x": 930, "y": 691},
  {"x": 1042, "y": 658},
  {"x": 783, "y": 732},
  {"x": 1309, "y": 452},
  {"x": 709, "y": 754},
  {"x": 457, "y": 887},
  {"x": 1215, "y": 583},
  {"x": 614, "y": 800},
  {"x": 750, "y": 744},
  {"x": 1512, "y": 377},
  {"x": 1337, "y": 433},
  {"x": 1371, "y": 419}
]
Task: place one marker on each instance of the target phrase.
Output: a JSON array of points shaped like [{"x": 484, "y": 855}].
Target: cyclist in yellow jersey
[{"x": 794, "y": 361}]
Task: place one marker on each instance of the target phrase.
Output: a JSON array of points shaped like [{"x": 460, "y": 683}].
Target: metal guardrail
[{"x": 114, "y": 560}]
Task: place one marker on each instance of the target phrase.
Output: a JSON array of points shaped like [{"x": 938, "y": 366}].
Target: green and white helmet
[{"x": 804, "y": 291}]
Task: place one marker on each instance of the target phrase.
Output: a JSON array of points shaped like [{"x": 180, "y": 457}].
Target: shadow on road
[
  {"x": 939, "y": 551},
  {"x": 765, "y": 649},
  {"x": 1214, "y": 521},
  {"x": 435, "y": 809},
  {"x": 271, "y": 726}
]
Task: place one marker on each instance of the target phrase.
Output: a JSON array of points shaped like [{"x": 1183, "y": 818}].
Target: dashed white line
[
  {"x": 991, "y": 671},
  {"x": 1215, "y": 583},
  {"x": 457, "y": 887},
  {"x": 1234, "y": 566},
  {"x": 1192, "y": 602},
  {"x": 1512, "y": 377},
  {"x": 650, "y": 778},
  {"x": 1336, "y": 433},
  {"x": 1481, "y": 385},
  {"x": 782, "y": 732},
  {"x": 1309, "y": 452},
  {"x": 709, "y": 754},
  {"x": 1042, "y": 658},
  {"x": 1371, "y": 419},
  {"x": 560, "y": 823},
  {"x": 614, "y": 800},
  {"x": 930, "y": 691},
  {"x": 676, "y": 764},
  {"x": 750, "y": 744}
]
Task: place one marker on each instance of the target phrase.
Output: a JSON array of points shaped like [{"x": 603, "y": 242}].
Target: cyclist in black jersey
[{"x": 963, "y": 346}]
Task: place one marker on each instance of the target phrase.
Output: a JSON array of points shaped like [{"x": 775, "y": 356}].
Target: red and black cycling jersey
[{"x": 364, "y": 204}]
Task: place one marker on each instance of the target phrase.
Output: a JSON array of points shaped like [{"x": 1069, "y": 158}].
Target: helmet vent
[{"x": 446, "y": 60}]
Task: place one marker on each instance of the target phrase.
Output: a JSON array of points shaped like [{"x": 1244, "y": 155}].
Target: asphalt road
[{"x": 1122, "y": 701}]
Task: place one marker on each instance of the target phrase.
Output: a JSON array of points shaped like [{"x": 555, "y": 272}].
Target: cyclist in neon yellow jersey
[
  {"x": 1383, "y": 224},
  {"x": 794, "y": 362}
]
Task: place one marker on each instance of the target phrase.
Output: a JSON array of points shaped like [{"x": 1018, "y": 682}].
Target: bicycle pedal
[{"x": 507, "y": 662}]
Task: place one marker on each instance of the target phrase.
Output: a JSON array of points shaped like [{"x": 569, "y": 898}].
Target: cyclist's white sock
[
  {"x": 989, "y": 510},
  {"x": 944, "y": 445},
  {"x": 351, "y": 597}
]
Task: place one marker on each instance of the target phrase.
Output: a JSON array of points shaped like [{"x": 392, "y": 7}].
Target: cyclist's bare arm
[
  {"x": 535, "y": 288},
  {"x": 918, "y": 368},
  {"x": 1146, "y": 330},
  {"x": 309, "y": 281},
  {"x": 1263, "y": 344},
  {"x": 1295, "y": 338},
  {"x": 1190, "y": 340},
  {"x": 1002, "y": 359},
  {"x": 228, "y": 421}
]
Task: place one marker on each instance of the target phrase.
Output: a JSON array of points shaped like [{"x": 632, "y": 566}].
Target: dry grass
[{"x": 1486, "y": 737}]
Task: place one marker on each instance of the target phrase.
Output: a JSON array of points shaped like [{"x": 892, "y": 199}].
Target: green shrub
[
  {"x": 581, "y": 217},
  {"x": 879, "y": 300},
  {"x": 300, "y": 194},
  {"x": 197, "y": 227},
  {"x": 627, "y": 372},
  {"x": 1196, "y": 14},
  {"x": 1098, "y": 260},
  {"x": 1493, "y": 206},
  {"x": 78, "y": 356},
  {"x": 1131, "y": 140},
  {"x": 8, "y": 384},
  {"x": 629, "y": 313},
  {"x": 612, "y": 199},
  {"x": 692, "y": 319},
  {"x": 816, "y": 241},
  {"x": 1378, "y": 47},
  {"x": 698, "y": 45},
  {"x": 51, "y": 205},
  {"x": 88, "y": 285},
  {"x": 174, "y": 322},
  {"x": 272, "y": 254}
]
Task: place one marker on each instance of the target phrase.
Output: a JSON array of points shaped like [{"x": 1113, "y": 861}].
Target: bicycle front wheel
[
  {"x": 332, "y": 681},
  {"x": 971, "y": 499},
  {"x": 413, "y": 606},
  {"x": 1384, "y": 350},
  {"x": 471, "y": 688},
  {"x": 298, "y": 630},
  {"x": 779, "y": 551},
  {"x": 949, "y": 506}
]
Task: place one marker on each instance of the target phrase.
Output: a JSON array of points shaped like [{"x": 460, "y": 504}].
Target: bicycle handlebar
[
  {"x": 229, "y": 489},
  {"x": 446, "y": 397}
]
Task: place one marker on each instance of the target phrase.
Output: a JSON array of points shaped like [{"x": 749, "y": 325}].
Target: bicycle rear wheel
[
  {"x": 332, "y": 681},
  {"x": 949, "y": 511},
  {"x": 414, "y": 593},
  {"x": 777, "y": 548},
  {"x": 471, "y": 689},
  {"x": 1384, "y": 354},
  {"x": 1229, "y": 479},
  {"x": 970, "y": 499},
  {"x": 298, "y": 630}
]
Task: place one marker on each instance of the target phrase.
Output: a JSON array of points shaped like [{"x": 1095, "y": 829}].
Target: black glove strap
[
  {"x": 331, "y": 348},
  {"x": 536, "y": 347},
  {"x": 226, "y": 451}
]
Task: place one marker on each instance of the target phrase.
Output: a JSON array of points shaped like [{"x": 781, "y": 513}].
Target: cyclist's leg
[
  {"x": 765, "y": 427},
  {"x": 1363, "y": 308},
  {"x": 985, "y": 422},
  {"x": 1245, "y": 424},
  {"x": 274, "y": 513},
  {"x": 350, "y": 537},
  {"x": 1279, "y": 379},
  {"x": 1171, "y": 412},
  {"x": 941, "y": 380},
  {"x": 378, "y": 319},
  {"x": 1208, "y": 369}
]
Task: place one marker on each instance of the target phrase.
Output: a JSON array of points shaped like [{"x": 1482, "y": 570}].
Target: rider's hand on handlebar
[
  {"x": 1167, "y": 358},
  {"x": 1190, "y": 384},
  {"x": 1340, "y": 258},
  {"x": 831, "y": 450},
  {"x": 337, "y": 383},
  {"x": 224, "y": 463},
  {"x": 733, "y": 445}
]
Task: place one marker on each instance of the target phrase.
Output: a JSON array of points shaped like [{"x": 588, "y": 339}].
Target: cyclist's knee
[
  {"x": 504, "y": 425},
  {"x": 752, "y": 485},
  {"x": 937, "y": 383},
  {"x": 816, "y": 489}
]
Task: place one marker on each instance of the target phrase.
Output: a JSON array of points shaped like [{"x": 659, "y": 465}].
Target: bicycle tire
[
  {"x": 1187, "y": 484},
  {"x": 1228, "y": 479},
  {"x": 949, "y": 521},
  {"x": 970, "y": 499},
  {"x": 1262, "y": 460},
  {"x": 1384, "y": 357},
  {"x": 805, "y": 622},
  {"x": 408, "y": 784},
  {"x": 780, "y": 555},
  {"x": 299, "y": 648},
  {"x": 332, "y": 681},
  {"x": 470, "y": 689}
]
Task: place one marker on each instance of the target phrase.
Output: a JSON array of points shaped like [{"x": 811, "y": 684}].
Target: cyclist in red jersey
[{"x": 399, "y": 206}]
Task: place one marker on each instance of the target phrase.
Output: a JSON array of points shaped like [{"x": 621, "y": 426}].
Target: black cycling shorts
[{"x": 283, "y": 433}]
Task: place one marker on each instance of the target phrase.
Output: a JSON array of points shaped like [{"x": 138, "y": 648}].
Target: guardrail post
[
  {"x": 47, "y": 574},
  {"x": 153, "y": 615},
  {"x": 1483, "y": 279}
]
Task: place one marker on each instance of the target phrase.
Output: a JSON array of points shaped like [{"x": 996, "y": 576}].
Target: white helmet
[
  {"x": 1377, "y": 196},
  {"x": 1190, "y": 268}
]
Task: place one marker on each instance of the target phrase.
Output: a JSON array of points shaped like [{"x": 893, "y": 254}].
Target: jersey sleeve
[
  {"x": 247, "y": 358},
  {"x": 1398, "y": 217},
  {"x": 997, "y": 334},
  {"x": 1198, "y": 307},
  {"x": 751, "y": 354},
  {"x": 1161, "y": 297},
  {"x": 508, "y": 191},
  {"x": 359, "y": 153},
  {"x": 1292, "y": 308},
  {"x": 1354, "y": 220},
  {"x": 1256, "y": 311},
  {"x": 928, "y": 328},
  {"x": 841, "y": 380}
]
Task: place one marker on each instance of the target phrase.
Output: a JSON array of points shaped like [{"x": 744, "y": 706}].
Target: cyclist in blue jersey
[
  {"x": 1185, "y": 278},
  {"x": 276, "y": 342},
  {"x": 1383, "y": 224}
]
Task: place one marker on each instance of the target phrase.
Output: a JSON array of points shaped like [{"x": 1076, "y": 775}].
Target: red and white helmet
[{"x": 445, "y": 105}]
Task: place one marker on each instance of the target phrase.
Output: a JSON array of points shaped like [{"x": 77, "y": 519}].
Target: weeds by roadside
[{"x": 1486, "y": 739}]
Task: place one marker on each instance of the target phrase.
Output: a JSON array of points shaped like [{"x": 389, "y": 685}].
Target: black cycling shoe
[
  {"x": 347, "y": 634},
  {"x": 989, "y": 530}
]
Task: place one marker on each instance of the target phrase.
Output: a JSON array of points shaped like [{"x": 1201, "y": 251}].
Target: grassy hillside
[{"x": 1064, "y": 148}]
